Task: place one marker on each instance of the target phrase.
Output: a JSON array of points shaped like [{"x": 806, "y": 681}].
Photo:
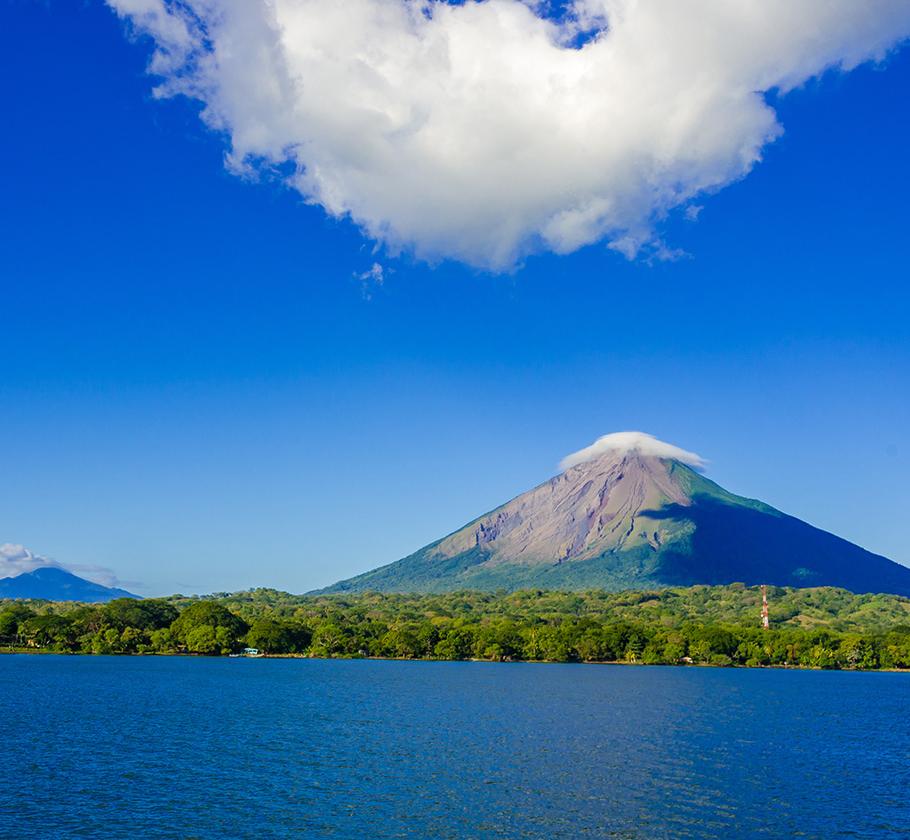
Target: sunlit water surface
[{"x": 166, "y": 747}]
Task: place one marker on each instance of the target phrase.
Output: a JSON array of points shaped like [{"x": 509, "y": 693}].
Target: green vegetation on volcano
[{"x": 819, "y": 627}]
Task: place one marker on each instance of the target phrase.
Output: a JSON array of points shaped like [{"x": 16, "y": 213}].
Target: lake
[{"x": 176, "y": 747}]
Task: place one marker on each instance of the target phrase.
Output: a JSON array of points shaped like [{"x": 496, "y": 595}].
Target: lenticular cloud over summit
[
  {"x": 485, "y": 131},
  {"x": 640, "y": 442}
]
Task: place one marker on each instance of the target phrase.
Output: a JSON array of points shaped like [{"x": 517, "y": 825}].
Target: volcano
[
  {"x": 632, "y": 512},
  {"x": 49, "y": 583}
]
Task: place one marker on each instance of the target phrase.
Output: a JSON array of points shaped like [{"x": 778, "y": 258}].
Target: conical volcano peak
[
  {"x": 619, "y": 444},
  {"x": 632, "y": 512}
]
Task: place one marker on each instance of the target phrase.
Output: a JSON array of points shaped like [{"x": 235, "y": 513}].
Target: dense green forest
[{"x": 719, "y": 625}]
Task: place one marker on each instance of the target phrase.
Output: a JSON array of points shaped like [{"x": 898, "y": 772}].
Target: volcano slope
[{"x": 631, "y": 520}]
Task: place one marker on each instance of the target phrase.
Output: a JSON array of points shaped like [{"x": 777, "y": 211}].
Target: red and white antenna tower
[{"x": 764, "y": 606}]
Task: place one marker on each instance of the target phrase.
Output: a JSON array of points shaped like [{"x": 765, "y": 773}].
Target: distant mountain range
[
  {"x": 631, "y": 514},
  {"x": 53, "y": 584}
]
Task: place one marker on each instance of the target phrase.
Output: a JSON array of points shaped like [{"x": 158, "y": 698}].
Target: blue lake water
[{"x": 224, "y": 748}]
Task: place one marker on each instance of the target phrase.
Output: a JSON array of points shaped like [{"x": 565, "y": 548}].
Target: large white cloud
[{"x": 482, "y": 132}]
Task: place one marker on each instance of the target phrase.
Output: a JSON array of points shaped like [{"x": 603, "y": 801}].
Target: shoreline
[{"x": 34, "y": 652}]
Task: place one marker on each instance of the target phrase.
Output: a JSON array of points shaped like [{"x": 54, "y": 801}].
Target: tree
[
  {"x": 635, "y": 646},
  {"x": 714, "y": 639},
  {"x": 214, "y": 622},
  {"x": 330, "y": 639},
  {"x": 547, "y": 643},
  {"x": 427, "y": 638},
  {"x": 202, "y": 639},
  {"x": 591, "y": 646},
  {"x": 616, "y": 638},
  {"x": 454, "y": 643},
  {"x": 53, "y": 631},
  {"x": 272, "y": 636},
  {"x": 87, "y": 619},
  {"x": 653, "y": 654},
  {"x": 821, "y": 656},
  {"x": 700, "y": 650},
  {"x": 499, "y": 641},
  {"x": 402, "y": 642},
  {"x": 105, "y": 641},
  {"x": 163, "y": 640},
  {"x": 148, "y": 614},
  {"x": 12, "y": 619}
]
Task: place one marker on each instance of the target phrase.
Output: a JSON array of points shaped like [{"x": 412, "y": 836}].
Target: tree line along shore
[{"x": 717, "y": 625}]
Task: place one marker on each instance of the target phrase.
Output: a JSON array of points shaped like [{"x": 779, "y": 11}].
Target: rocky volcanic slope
[{"x": 629, "y": 520}]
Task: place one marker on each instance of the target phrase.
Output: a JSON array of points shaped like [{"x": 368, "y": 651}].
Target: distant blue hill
[{"x": 52, "y": 584}]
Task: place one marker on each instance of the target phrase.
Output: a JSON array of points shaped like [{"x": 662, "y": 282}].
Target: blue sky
[{"x": 199, "y": 393}]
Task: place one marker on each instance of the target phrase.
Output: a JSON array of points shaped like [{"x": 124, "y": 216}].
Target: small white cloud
[
  {"x": 480, "y": 131},
  {"x": 625, "y": 442},
  {"x": 374, "y": 274},
  {"x": 96, "y": 574},
  {"x": 370, "y": 279},
  {"x": 693, "y": 211}
]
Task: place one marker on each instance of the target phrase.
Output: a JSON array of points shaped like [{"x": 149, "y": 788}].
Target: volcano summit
[{"x": 633, "y": 512}]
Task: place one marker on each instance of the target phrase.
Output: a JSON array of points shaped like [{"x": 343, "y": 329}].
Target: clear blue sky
[{"x": 197, "y": 392}]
